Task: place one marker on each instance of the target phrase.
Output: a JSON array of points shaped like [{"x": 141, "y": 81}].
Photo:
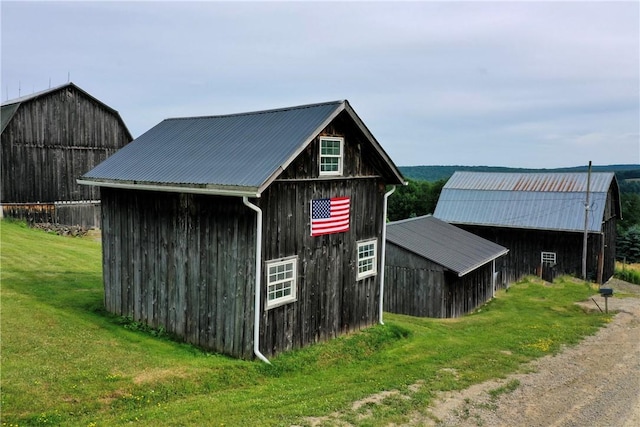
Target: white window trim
[
  {"x": 374, "y": 270},
  {"x": 340, "y": 156},
  {"x": 549, "y": 257},
  {"x": 294, "y": 286}
]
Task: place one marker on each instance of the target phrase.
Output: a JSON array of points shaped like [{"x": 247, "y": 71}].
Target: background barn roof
[
  {"x": 10, "y": 106},
  {"x": 242, "y": 152},
  {"x": 443, "y": 243},
  {"x": 546, "y": 201}
]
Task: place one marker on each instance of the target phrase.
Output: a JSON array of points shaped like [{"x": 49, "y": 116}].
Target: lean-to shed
[
  {"x": 434, "y": 269},
  {"x": 540, "y": 218},
  {"x": 248, "y": 234},
  {"x": 49, "y": 139}
]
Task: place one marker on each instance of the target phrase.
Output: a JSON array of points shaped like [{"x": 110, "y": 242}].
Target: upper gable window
[{"x": 331, "y": 155}]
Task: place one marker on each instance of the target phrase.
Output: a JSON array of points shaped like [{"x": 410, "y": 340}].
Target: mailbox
[{"x": 606, "y": 292}]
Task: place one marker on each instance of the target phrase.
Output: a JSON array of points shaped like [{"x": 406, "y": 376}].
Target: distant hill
[{"x": 436, "y": 173}]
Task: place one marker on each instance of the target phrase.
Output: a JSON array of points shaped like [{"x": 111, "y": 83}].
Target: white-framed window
[
  {"x": 548, "y": 257},
  {"x": 331, "y": 155},
  {"x": 367, "y": 258},
  {"x": 281, "y": 281}
]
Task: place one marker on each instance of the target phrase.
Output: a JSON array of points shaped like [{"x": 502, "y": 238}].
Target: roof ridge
[
  {"x": 24, "y": 98},
  {"x": 250, "y": 113}
]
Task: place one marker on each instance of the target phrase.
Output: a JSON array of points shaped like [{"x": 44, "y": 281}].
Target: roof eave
[
  {"x": 521, "y": 227},
  {"x": 475, "y": 267},
  {"x": 211, "y": 190}
]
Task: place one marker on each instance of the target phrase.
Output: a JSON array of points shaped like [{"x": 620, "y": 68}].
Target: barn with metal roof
[
  {"x": 435, "y": 269},
  {"x": 540, "y": 217},
  {"x": 248, "y": 234}
]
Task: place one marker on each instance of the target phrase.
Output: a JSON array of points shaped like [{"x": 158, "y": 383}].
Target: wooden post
[{"x": 586, "y": 226}]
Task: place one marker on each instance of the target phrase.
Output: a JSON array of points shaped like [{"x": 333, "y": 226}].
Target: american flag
[{"x": 329, "y": 215}]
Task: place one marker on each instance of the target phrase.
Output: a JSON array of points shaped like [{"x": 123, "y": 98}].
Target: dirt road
[{"x": 596, "y": 383}]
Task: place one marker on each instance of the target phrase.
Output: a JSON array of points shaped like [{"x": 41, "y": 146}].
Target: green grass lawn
[{"x": 64, "y": 361}]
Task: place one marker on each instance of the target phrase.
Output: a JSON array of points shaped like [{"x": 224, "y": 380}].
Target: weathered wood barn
[
  {"x": 540, "y": 218},
  {"x": 49, "y": 139},
  {"x": 434, "y": 269},
  {"x": 248, "y": 234}
]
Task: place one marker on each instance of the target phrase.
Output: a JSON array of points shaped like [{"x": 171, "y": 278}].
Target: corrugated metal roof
[
  {"x": 35, "y": 94},
  {"x": 444, "y": 244},
  {"x": 546, "y": 201},
  {"x": 238, "y": 151},
  {"x": 540, "y": 182}
]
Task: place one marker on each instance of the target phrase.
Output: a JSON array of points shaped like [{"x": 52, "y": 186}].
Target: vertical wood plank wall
[
  {"x": 186, "y": 262},
  {"x": 418, "y": 287},
  {"x": 331, "y": 301},
  {"x": 525, "y": 248},
  {"x": 53, "y": 140},
  {"x": 183, "y": 262}
]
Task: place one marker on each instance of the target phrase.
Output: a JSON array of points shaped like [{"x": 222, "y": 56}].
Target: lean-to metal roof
[
  {"x": 545, "y": 201},
  {"x": 236, "y": 154},
  {"x": 443, "y": 243}
]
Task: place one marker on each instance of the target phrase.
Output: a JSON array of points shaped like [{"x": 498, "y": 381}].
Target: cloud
[{"x": 445, "y": 82}]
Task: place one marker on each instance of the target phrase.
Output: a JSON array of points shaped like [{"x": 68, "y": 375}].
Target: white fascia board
[{"x": 172, "y": 188}]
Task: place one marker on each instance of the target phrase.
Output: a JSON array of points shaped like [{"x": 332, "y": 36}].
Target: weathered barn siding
[
  {"x": 84, "y": 214},
  {"x": 413, "y": 285},
  {"x": 204, "y": 292},
  {"x": 330, "y": 300},
  {"x": 53, "y": 139},
  {"x": 182, "y": 262},
  {"x": 419, "y": 287},
  {"x": 186, "y": 261},
  {"x": 526, "y": 247}
]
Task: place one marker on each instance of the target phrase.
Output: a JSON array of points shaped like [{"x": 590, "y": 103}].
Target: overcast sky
[{"x": 536, "y": 84}]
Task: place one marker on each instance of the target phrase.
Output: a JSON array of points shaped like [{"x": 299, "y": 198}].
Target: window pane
[
  {"x": 330, "y": 164},
  {"x": 281, "y": 282}
]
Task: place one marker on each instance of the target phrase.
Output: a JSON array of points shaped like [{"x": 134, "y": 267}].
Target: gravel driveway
[{"x": 595, "y": 383}]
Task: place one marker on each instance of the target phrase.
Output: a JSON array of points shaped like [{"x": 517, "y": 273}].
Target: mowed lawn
[{"x": 67, "y": 362}]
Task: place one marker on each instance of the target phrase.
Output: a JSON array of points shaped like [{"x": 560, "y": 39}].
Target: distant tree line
[{"x": 417, "y": 198}]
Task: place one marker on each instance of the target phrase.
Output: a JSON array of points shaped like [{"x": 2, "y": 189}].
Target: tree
[
  {"x": 417, "y": 198},
  {"x": 628, "y": 245}
]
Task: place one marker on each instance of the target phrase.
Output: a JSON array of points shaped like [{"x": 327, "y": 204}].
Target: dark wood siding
[
  {"x": 182, "y": 262},
  {"x": 84, "y": 214},
  {"x": 413, "y": 285},
  {"x": 330, "y": 300},
  {"x": 526, "y": 246},
  {"x": 51, "y": 141},
  {"x": 186, "y": 262},
  {"x": 360, "y": 159},
  {"x": 419, "y": 287}
]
